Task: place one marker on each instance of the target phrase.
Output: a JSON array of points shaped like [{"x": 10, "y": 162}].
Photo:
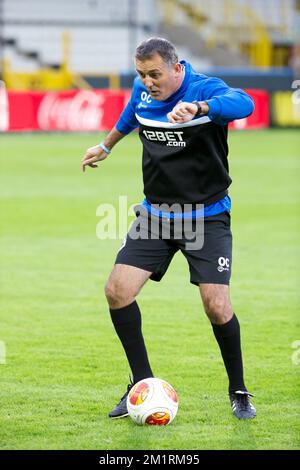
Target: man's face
[{"x": 161, "y": 79}]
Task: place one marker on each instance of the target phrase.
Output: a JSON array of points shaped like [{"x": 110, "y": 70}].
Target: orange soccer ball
[{"x": 152, "y": 401}]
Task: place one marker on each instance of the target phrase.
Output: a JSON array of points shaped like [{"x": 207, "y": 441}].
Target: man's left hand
[{"x": 184, "y": 112}]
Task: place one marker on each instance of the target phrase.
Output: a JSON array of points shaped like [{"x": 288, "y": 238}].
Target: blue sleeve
[
  {"x": 127, "y": 121},
  {"x": 225, "y": 103}
]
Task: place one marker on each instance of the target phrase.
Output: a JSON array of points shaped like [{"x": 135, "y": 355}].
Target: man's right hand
[{"x": 92, "y": 155}]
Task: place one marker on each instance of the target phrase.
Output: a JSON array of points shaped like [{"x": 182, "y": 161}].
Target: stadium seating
[
  {"x": 100, "y": 35},
  {"x": 103, "y": 34},
  {"x": 235, "y": 32}
]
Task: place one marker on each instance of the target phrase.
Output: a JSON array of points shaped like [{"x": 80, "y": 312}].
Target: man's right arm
[
  {"x": 126, "y": 123},
  {"x": 97, "y": 153}
]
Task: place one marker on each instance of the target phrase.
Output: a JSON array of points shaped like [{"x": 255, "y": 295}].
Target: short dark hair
[{"x": 155, "y": 45}]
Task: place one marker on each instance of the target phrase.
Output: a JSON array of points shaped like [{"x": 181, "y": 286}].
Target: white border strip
[{"x": 152, "y": 123}]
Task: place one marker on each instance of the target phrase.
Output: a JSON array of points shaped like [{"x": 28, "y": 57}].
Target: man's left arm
[
  {"x": 225, "y": 103},
  {"x": 220, "y": 103}
]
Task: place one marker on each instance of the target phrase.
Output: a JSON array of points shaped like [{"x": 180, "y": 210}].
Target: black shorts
[{"x": 209, "y": 264}]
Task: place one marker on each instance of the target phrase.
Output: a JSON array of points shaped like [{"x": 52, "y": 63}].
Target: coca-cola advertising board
[
  {"x": 72, "y": 110},
  {"x": 4, "y": 111},
  {"x": 89, "y": 110}
]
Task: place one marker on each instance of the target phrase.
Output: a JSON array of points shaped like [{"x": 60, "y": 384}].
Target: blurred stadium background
[
  {"x": 67, "y": 66},
  {"x": 88, "y": 45}
]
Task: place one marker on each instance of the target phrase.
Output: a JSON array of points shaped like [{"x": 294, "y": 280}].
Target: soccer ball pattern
[{"x": 152, "y": 401}]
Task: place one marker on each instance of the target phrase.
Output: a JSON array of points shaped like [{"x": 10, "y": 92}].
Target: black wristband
[{"x": 199, "y": 110}]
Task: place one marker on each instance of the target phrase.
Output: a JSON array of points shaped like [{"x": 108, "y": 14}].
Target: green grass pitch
[{"x": 64, "y": 367}]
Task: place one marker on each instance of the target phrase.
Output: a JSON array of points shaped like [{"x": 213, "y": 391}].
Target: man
[{"x": 182, "y": 118}]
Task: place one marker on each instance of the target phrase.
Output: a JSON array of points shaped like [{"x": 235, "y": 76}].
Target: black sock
[
  {"x": 229, "y": 340},
  {"x": 128, "y": 325}
]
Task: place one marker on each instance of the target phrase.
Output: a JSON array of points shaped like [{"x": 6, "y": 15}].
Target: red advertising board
[
  {"x": 90, "y": 110},
  {"x": 72, "y": 110},
  {"x": 260, "y": 118}
]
